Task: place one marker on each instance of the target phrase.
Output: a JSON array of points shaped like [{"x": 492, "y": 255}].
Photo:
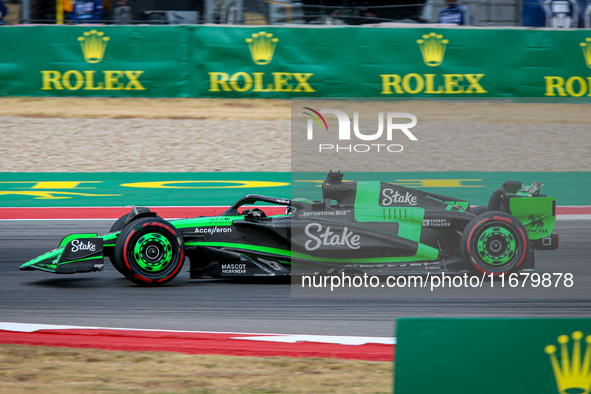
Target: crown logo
[
  {"x": 572, "y": 375},
  {"x": 93, "y": 45},
  {"x": 262, "y": 46},
  {"x": 586, "y": 45},
  {"x": 433, "y": 48}
]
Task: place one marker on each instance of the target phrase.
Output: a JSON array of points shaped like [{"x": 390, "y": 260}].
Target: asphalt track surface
[{"x": 106, "y": 299}]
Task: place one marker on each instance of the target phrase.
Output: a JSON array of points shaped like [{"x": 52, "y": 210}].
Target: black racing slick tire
[
  {"x": 149, "y": 252},
  {"x": 494, "y": 243},
  {"x": 120, "y": 223},
  {"x": 117, "y": 226},
  {"x": 114, "y": 228}
]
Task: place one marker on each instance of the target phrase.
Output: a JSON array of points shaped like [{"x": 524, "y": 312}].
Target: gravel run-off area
[{"x": 473, "y": 137}]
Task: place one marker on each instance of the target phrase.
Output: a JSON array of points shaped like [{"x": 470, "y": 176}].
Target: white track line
[
  {"x": 282, "y": 338},
  {"x": 573, "y": 217},
  {"x": 28, "y": 327},
  {"x": 323, "y": 339}
]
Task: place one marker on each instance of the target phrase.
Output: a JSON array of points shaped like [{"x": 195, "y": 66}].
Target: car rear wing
[{"x": 536, "y": 213}]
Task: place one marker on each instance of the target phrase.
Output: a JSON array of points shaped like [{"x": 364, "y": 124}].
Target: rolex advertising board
[
  {"x": 93, "y": 61},
  {"x": 468, "y": 355},
  {"x": 438, "y": 63},
  {"x": 284, "y": 62},
  {"x": 251, "y": 63}
]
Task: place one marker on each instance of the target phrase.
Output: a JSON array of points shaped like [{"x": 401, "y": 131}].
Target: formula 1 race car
[{"x": 365, "y": 226}]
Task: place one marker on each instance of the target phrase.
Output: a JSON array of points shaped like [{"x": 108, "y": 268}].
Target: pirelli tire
[
  {"x": 117, "y": 226},
  {"x": 149, "y": 252},
  {"x": 114, "y": 228},
  {"x": 494, "y": 242}
]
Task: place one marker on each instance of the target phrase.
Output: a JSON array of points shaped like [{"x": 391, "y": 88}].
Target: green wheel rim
[
  {"x": 153, "y": 252},
  {"x": 496, "y": 245}
]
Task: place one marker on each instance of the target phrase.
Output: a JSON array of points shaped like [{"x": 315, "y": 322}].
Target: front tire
[
  {"x": 118, "y": 226},
  {"x": 114, "y": 228},
  {"x": 149, "y": 252},
  {"x": 494, "y": 243}
]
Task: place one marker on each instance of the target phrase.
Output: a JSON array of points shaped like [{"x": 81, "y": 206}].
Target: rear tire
[
  {"x": 149, "y": 252},
  {"x": 494, "y": 243}
]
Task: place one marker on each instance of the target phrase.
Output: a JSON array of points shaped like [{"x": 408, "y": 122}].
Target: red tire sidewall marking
[
  {"x": 138, "y": 276},
  {"x": 179, "y": 265},
  {"x": 125, "y": 251},
  {"x": 524, "y": 247},
  {"x": 503, "y": 219}
]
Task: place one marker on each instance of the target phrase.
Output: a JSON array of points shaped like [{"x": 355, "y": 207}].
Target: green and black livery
[{"x": 371, "y": 226}]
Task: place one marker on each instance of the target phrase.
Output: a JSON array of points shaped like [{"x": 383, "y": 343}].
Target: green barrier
[
  {"x": 285, "y": 62},
  {"x": 491, "y": 356},
  {"x": 224, "y": 188},
  {"x": 87, "y": 61}
]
